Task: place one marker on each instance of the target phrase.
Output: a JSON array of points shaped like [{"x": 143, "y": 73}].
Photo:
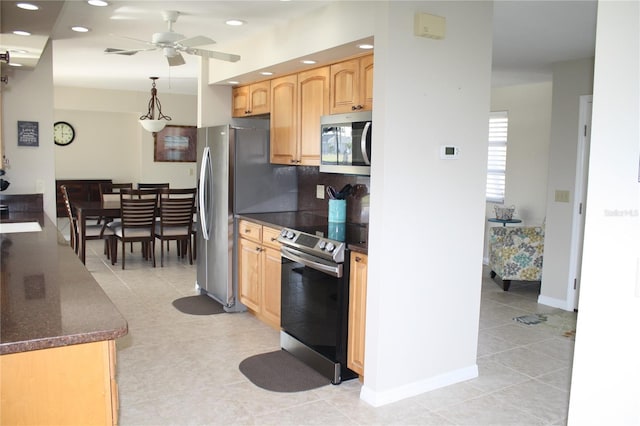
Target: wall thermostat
[{"x": 449, "y": 152}]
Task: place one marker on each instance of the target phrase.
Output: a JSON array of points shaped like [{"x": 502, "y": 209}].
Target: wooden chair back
[
  {"x": 111, "y": 191},
  {"x": 73, "y": 226}
]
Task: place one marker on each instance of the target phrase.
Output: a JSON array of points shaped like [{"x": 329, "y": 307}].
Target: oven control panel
[{"x": 313, "y": 244}]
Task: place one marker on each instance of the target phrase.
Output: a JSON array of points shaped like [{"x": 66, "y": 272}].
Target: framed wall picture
[
  {"x": 176, "y": 143},
  {"x": 28, "y": 133}
]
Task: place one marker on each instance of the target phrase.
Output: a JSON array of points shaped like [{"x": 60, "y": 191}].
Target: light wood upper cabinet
[
  {"x": 297, "y": 103},
  {"x": 313, "y": 95},
  {"x": 357, "y": 312},
  {"x": 251, "y": 100},
  {"x": 284, "y": 120},
  {"x": 352, "y": 85}
]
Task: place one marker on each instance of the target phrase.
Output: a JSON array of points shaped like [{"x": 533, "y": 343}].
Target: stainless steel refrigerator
[{"x": 235, "y": 177}]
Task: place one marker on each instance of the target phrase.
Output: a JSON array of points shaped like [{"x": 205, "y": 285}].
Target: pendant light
[{"x": 148, "y": 121}]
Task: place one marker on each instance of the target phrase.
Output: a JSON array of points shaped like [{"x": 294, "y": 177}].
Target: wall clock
[{"x": 63, "y": 133}]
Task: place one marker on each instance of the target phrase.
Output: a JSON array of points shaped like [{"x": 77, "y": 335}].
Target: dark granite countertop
[
  {"x": 304, "y": 219},
  {"x": 48, "y": 298}
]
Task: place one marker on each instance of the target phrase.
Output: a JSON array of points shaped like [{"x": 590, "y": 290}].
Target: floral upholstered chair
[{"x": 515, "y": 253}]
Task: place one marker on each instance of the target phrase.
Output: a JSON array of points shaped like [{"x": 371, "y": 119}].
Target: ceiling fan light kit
[
  {"x": 149, "y": 122},
  {"x": 173, "y": 44}
]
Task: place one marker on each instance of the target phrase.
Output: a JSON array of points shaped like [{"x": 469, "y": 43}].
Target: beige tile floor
[{"x": 178, "y": 369}]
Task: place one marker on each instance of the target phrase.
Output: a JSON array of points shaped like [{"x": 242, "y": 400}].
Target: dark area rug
[
  {"x": 198, "y": 305},
  {"x": 280, "y": 371}
]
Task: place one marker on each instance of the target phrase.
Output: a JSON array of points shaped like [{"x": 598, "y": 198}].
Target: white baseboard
[
  {"x": 555, "y": 303},
  {"x": 378, "y": 399}
]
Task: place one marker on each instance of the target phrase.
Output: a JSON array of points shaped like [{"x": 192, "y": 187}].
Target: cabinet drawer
[
  {"x": 250, "y": 230},
  {"x": 270, "y": 237}
]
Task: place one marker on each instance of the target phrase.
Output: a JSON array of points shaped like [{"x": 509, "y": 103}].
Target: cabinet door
[
  {"x": 313, "y": 92},
  {"x": 366, "y": 83},
  {"x": 249, "y": 273},
  {"x": 67, "y": 385},
  {"x": 357, "y": 312},
  {"x": 284, "y": 120},
  {"x": 344, "y": 86},
  {"x": 259, "y": 98},
  {"x": 240, "y": 101},
  {"x": 271, "y": 278}
]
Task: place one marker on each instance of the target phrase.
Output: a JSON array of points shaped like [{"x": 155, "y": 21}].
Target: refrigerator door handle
[{"x": 206, "y": 172}]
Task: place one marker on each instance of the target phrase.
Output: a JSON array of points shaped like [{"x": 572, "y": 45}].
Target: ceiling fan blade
[
  {"x": 214, "y": 55},
  {"x": 125, "y": 51},
  {"x": 195, "y": 41},
  {"x": 175, "y": 60},
  {"x": 132, "y": 38}
]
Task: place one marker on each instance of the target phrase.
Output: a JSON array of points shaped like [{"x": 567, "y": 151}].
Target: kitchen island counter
[
  {"x": 48, "y": 298},
  {"x": 57, "y": 335}
]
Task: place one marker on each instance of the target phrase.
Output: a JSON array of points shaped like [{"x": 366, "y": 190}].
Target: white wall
[
  {"x": 604, "y": 386},
  {"x": 110, "y": 143},
  {"x": 571, "y": 80},
  {"x": 529, "y": 109},
  {"x": 29, "y": 97},
  {"x": 427, "y": 214}
]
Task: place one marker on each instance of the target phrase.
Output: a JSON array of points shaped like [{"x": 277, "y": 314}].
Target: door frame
[{"x": 579, "y": 201}]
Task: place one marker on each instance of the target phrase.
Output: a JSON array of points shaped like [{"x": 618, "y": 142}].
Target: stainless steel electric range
[{"x": 315, "y": 295}]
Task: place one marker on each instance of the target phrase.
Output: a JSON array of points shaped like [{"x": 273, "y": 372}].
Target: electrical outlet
[
  {"x": 190, "y": 171},
  {"x": 320, "y": 192}
]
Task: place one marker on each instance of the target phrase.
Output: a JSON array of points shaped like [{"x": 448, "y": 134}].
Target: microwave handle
[{"x": 363, "y": 143}]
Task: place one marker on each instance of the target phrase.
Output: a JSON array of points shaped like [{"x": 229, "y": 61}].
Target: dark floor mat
[
  {"x": 280, "y": 371},
  {"x": 198, "y": 305}
]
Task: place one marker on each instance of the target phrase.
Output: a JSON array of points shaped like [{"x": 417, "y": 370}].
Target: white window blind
[{"x": 497, "y": 164}]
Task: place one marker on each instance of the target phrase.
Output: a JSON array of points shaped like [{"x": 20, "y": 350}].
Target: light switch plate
[
  {"x": 562, "y": 196},
  {"x": 320, "y": 192}
]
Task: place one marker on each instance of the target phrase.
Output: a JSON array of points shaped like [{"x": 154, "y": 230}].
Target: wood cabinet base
[{"x": 68, "y": 385}]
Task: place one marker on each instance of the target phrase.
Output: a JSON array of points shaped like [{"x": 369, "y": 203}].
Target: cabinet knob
[{"x": 358, "y": 259}]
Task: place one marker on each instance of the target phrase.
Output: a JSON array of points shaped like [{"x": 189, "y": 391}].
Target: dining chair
[
  {"x": 111, "y": 192},
  {"x": 138, "y": 217},
  {"x": 176, "y": 220},
  {"x": 153, "y": 185},
  {"x": 92, "y": 231}
]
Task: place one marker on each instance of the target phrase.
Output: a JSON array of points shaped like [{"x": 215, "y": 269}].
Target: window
[{"x": 497, "y": 164}]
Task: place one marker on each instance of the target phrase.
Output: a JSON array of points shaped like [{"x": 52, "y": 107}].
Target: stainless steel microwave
[{"x": 346, "y": 143}]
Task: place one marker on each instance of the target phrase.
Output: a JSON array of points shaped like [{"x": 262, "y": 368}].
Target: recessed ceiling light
[
  {"x": 234, "y": 22},
  {"x": 266, "y": 73},
  {"x": 80, "y": 29},
  {"x": 22, "y": 33},
  {"x": 27, "y": 6},
  {"x": 308, "y": 62},
  {"x": 366, "y": 46},
  {"x": 99, "y": 3}
]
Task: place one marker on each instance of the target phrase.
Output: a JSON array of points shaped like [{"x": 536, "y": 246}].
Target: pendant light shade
[{"x": 149, "y": 122}]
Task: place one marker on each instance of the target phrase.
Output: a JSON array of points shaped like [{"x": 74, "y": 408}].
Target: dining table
[{"x": 90, "y": 209}]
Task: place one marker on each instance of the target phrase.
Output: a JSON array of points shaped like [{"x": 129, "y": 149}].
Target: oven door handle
[{"x": 334, "y": 269}]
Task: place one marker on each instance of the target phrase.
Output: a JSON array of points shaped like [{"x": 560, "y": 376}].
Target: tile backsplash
[{"x": 357, "y": 203}]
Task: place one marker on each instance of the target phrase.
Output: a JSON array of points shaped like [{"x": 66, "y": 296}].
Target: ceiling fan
[{"x": 173, "y": 43}]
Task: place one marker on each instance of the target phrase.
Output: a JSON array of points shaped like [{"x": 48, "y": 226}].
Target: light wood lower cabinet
[
  {"x": 357, "y": 312},
  {"x": 259, "y": 271},
  {"x": 60, "y": 386}
]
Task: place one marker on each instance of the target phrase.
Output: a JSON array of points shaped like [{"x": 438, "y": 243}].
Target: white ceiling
[{"x": 528, "y": 37}]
